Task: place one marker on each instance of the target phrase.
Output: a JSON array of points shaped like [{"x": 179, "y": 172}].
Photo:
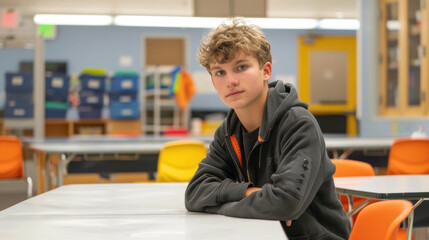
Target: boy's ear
[{"x": 268, "y": 70}]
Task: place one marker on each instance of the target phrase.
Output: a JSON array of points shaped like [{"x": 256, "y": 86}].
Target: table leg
[
  {"x": 41, "y": 171},
  {"x": 48, "y": 169},
  {"x": 62, "y": 167},
  {"x": 411, "y": 219},
  {"x": 39, "y": 161},
  {"x": 410, "y": 225}
]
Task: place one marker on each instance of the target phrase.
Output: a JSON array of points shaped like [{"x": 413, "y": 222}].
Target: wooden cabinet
[
  {"x": 68, "y": 128},
  {"x": 404, "y": 62}
]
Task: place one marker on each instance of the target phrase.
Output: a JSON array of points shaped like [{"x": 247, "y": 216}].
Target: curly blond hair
[{"x": 223, "y": 43}]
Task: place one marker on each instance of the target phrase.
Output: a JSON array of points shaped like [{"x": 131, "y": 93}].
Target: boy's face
[{"x": 241, "y": 84}]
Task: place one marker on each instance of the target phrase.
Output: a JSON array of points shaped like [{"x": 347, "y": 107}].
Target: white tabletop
[
  {"x": 385, "y": 186},
  {"x": 154, "y": 145},
  {"x": 124, "y": 211}
]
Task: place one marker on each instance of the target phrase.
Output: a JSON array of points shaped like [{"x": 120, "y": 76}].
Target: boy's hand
[
  {"x": 251, "y": 190},
  {"x": 255, "y": 189}
]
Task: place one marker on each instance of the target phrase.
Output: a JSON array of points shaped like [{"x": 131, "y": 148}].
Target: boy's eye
[
  {"x": 242, "y": 67},
  {"x": 220, "y": 73}
]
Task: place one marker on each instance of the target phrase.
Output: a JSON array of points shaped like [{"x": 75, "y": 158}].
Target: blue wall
[{"x": 103, "y": 46}]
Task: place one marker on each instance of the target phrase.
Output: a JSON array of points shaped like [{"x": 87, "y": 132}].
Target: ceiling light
[
  {"x": 73, "y": 19},
  {"x": 284, "y": 23},
  {"x": 207, "y": 22},
  {"x": 339, "y": 24},
  {"x": 167, "y": 21}
]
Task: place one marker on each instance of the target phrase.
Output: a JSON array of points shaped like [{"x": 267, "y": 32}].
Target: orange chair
[
  {"x": 178, "y": 160},
  {"x": 381, "y": 220},
  {"x": 352, "y": 168},
  {"x": 12, "y": 162},
  {"x": 409, "y": 156}
]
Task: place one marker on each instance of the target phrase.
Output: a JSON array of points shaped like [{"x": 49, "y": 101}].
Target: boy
[{"x": 268, "y": 159}]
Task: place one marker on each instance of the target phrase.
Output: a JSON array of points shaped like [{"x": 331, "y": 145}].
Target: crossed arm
[{"x": 251, "y": 190}]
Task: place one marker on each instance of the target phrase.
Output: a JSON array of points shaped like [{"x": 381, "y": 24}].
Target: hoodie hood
[{"x": 281, "y": 97}]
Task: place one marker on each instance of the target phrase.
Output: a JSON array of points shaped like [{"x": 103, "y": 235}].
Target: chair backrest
[
  {"x": 352, "y": 168},
  {"x": 409, "y": 156},
  {"x": 178, "y": 160},
  {"x": 381, "y": 220},
  {"x": 11, "y": 158}
]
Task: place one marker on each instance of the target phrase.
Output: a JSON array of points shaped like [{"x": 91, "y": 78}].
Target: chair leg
[{"x": 29, "y": 187}]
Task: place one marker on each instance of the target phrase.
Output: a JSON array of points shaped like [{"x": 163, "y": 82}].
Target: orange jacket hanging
[{"x": 186, "y": 89}]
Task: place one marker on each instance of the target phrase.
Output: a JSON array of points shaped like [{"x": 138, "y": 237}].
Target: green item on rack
[
  {"x": 60, "y": 105},
  {"x": 94, "y": 71},
  {"x": 126, "y": 73}
]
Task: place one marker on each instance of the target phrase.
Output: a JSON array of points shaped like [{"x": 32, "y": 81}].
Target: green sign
[{"x": 47, "y": 31}]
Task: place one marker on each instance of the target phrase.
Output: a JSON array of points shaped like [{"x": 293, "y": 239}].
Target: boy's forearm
[{"x": 204, "y": 192}]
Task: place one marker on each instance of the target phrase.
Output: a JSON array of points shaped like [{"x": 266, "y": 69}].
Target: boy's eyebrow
[
  {"x": 215, "y": 67},
  {"x": 238, "y": 62},
  {"x": 241, "y": 61}
]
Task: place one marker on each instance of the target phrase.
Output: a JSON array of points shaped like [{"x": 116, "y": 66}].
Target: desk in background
[
  {"x": 124, "y": 211},
  {"x": 409, "y": 187},
  {"x": 66, "y": 149}
]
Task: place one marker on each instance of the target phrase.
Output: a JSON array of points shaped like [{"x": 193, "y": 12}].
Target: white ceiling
[{"x": 275, "y": 8}]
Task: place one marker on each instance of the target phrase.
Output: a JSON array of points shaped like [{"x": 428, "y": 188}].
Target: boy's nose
[{"x": 232, "y": 80}]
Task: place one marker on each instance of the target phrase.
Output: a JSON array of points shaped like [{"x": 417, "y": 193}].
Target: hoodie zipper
[
  {"x": 237, "y": 168},
  {"x": 248, "y": 158}
]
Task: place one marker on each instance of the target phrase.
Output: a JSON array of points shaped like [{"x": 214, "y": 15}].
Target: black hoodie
[{"x": 289, "y": 162}]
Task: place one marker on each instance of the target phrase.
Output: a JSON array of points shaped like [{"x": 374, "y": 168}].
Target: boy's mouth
[{"x": 234, "y": 93}]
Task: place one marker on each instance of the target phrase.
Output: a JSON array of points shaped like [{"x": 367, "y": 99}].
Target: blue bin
[
  {"x": 56, "y": 96},
  {"x": 58, "y": 83},
  {"x": 19, "y": 111},
  {"x": 89, "y": 112},
  {"x": 93, "y": 82},
  {"x": 19, "y": 82},
  {"x": 124, "y": 97},
  {"x": 90, "y": 98},
  {"x": 55, "y": 112},
  {"x": 19, "y": 99},
  {"x": 125, "y": 84},
  {"x": 124, "y": 111}
]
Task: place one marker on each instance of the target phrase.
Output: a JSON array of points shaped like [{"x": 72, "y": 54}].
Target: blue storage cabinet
[
  {"x": 127, "y": 83},
  {"x": 19, "y": 82},
  {"x": 91, "y": 98},
  {"x": 124, "y": 110},
  {"x": 89, "y": 112},
  {"x": 93, "y": 82},
  {"x": 19, "y": 111},
  {"x": 56, "y": 95},
  {"x": 91, "y": 95},
  {"x": 124, "y": 102},
  {"x": 126, "y": 97},
  {"x": 19, "y": 95},
  {"x": 58, "y": 83}
]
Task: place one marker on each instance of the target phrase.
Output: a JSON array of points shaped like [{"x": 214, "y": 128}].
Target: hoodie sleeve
[
  {"x": 294, "y": 183},
  {"x": 213, "y": 184}
]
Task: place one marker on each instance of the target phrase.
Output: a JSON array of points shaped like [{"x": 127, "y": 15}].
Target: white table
[
  {"x": 409, "y": 187},
  {"x": 53, "y": 154},
  {"x": 124, "y": 211},
  {"x": 350, "y": 144},
  {"x": 66, "y": 149}
]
